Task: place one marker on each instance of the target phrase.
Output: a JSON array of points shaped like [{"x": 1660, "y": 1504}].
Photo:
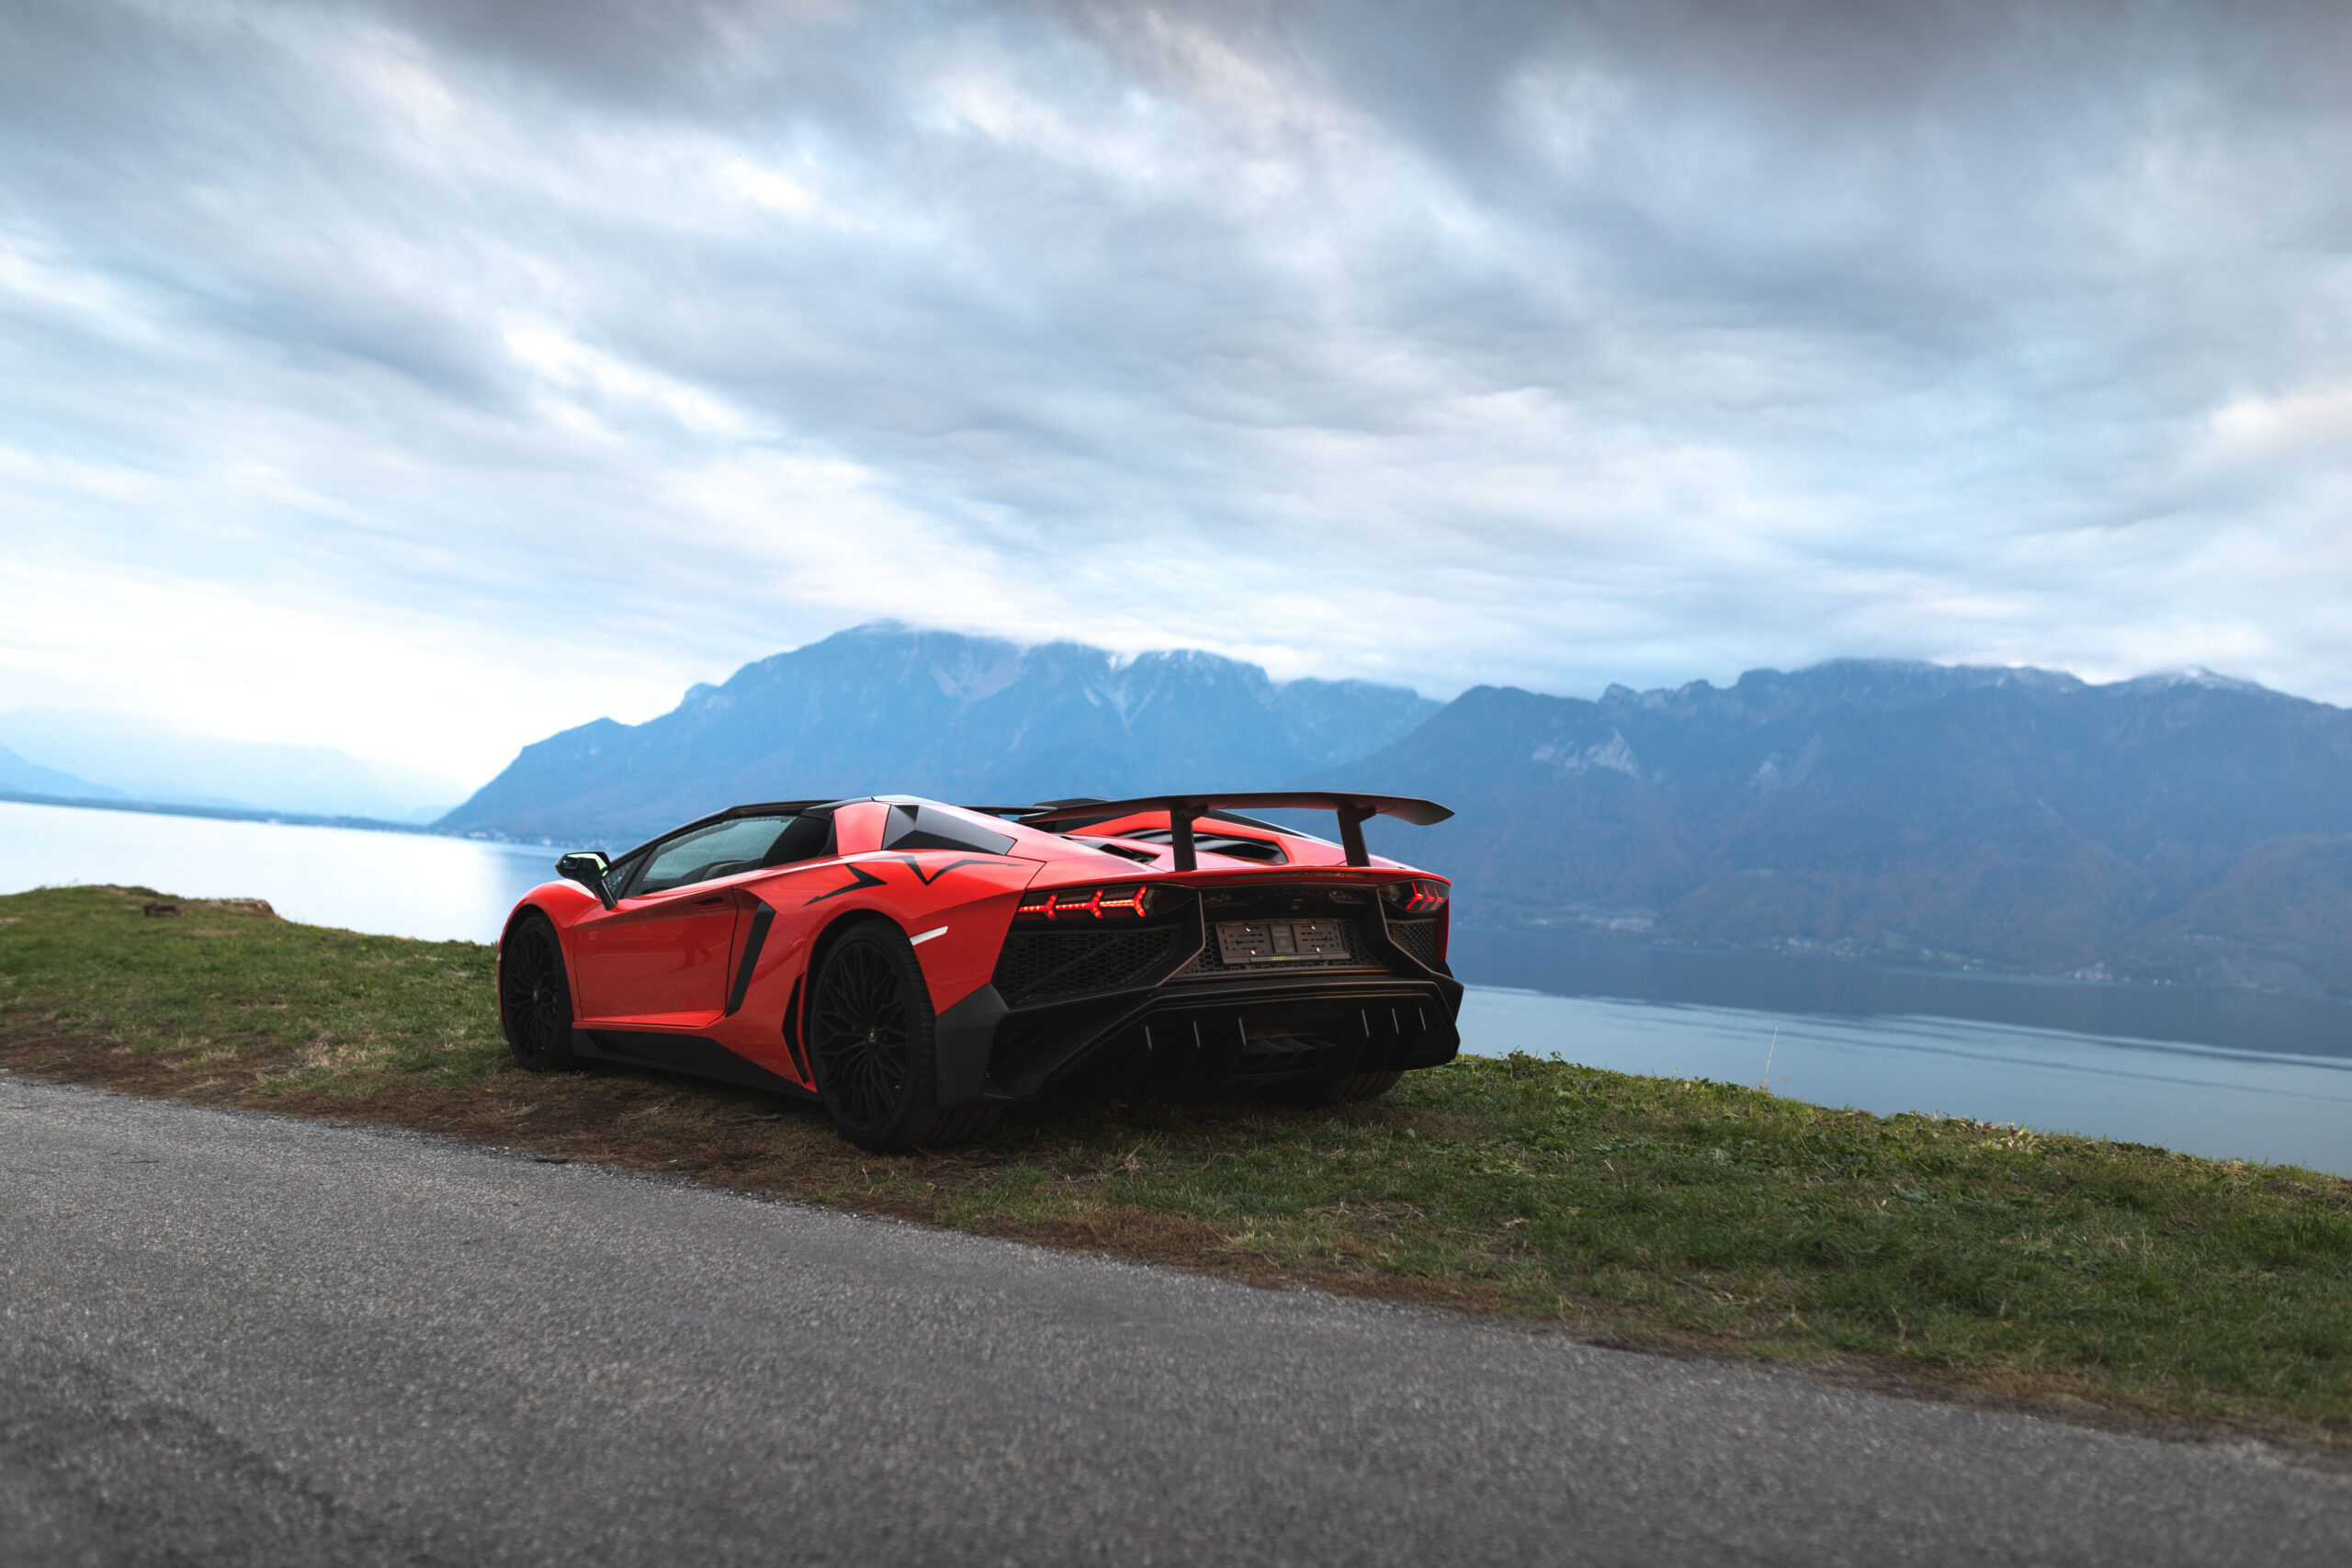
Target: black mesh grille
[
  {"x": 1037, "y": 966},
  {"x": 1416, "y": 937}
]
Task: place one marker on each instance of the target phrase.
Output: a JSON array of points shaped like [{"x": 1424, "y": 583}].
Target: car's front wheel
[
  {"x": 873, "y": 1038},
  {"x": 534, "y": 998}
]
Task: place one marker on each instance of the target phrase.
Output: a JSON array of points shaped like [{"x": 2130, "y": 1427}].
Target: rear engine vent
[
  {"x": 1124, "y": 852},
  {"x": 1046, "y": 965},
  {"x": 1232, "y": 846}
]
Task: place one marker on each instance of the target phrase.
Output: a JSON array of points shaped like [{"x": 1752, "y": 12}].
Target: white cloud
[
  {"x": 510, "y": 366},
  {"x": 2251, "y": 429},
  {"x": 569, "y": 365}
]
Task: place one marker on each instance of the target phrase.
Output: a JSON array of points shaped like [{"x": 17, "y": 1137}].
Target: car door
[{"x": 659, "y": 958}]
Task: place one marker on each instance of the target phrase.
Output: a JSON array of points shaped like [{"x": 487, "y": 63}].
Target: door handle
[{"x": 714, "y": 898}]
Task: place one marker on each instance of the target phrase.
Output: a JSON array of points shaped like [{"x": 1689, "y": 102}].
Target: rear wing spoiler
[{"x": 1354, "y": 811}]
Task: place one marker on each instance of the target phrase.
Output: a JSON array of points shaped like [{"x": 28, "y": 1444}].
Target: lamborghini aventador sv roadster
[{"x": 917, "y": 966}]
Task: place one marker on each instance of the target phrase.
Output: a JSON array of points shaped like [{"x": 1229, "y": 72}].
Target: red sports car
[{"x": 919, "y": 966}]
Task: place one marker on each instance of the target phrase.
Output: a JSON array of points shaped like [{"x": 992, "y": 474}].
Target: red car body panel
[
  {"x": 662, "y": 958},
  {"x": 710, "y": 976}
]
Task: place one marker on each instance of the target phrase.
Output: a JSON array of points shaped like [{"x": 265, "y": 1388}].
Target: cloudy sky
[{"x": 421, "y": 378}]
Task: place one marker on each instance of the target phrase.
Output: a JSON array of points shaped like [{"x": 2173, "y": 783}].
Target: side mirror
[{"x": 587, "y": 867}]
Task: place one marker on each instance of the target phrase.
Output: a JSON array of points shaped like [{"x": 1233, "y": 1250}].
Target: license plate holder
[{"x": 1294, "y": 941}]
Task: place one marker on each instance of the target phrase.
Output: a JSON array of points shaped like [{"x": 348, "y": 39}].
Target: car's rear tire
[
  {"x": 873, "y": 1040},
  {"x": 534, "y": 996}
]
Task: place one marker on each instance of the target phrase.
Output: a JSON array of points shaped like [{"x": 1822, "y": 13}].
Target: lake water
[
  {"x": 2234, "y": 1074},
  {"x": 397, "y": 883}
]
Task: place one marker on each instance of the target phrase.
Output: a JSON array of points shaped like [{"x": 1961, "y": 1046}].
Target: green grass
[
  {"x": 323, "y": 1007},
  {"x": 1694, "y": 1214}
]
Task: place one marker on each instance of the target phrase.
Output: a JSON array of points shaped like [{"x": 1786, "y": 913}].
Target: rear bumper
[
  {"x": 1162, "y": 1007},
  {"x": 1197, "y": 1035}
]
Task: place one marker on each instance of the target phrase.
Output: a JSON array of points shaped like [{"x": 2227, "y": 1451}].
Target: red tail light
[
  {"x": 1133, "y": 903},
  {"x": 1415, "y": 897}
]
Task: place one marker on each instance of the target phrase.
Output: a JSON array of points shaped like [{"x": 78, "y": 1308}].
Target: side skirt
[{"x": 690, "y": 1053}]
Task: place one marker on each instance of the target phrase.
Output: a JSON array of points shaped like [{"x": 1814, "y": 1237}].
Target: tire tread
[{"x": 959, "y": 1124}]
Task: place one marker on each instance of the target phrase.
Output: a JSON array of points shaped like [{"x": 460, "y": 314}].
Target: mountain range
[
  {"x": 882, "y": 708},
  {"x": 2184, "y": 828}
]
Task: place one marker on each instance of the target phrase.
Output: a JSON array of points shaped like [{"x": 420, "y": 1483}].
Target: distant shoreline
[{"x": 244, "y": 814}]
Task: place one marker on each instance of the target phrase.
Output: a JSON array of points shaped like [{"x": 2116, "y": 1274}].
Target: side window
[
  {"x": 804, "y": 837},
  {"x": 620, "y": 873},
  {"x": 723, "y": 849},
  {"x": 929, "y": 828}
]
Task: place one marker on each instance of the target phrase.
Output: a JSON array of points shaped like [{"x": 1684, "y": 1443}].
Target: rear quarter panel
[{"x": 966, "y": 900}]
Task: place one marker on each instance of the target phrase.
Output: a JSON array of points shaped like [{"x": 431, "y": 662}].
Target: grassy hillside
[{"x": 1931, "y": 1251}]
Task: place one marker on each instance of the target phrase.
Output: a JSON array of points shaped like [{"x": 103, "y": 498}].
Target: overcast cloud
[{"x": 421, "y": 378}]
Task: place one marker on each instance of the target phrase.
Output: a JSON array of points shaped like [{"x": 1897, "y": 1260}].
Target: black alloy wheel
[
  {"x": 859, "y": 1030},
  {"x": 870, "y": 1039},
  {"x": 533, "y": 999}
]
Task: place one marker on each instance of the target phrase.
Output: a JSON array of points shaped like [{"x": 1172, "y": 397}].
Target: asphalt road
[{"x": 230, "y": 1338}]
